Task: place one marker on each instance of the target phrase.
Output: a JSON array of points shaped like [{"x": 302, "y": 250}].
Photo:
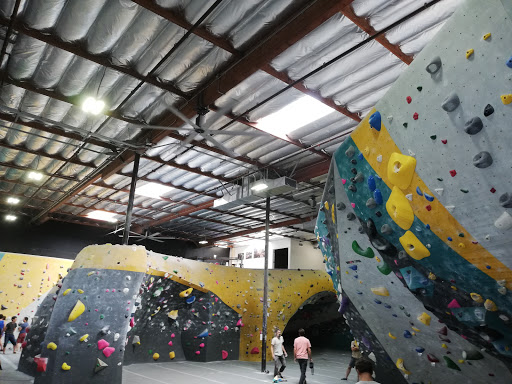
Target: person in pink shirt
[{"x": 302, "y": 353}]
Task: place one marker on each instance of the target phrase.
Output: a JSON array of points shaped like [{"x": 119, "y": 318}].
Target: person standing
[
  {"x": 356, "y": 354},
  {"x": 278, "y": 353},
  {"x": 9, "y": 333},
  {"x": 2, "y": 325},
  {"x": 23, "y": 331},
  {"x": 364, "y": 368},
  {"x": 302, "y": 353}
]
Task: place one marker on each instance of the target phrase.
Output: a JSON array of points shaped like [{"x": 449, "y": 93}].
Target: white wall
[
  {"x": 305, "y": 256},
  {"x": 259, "y": 244}
]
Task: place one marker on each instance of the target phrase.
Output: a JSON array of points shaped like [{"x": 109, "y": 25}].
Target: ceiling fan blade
[
  {"x": 219, "y": 145},
  {"x": 235, "y": 133},
  {"x": 178, "y": 113},
  {"x": 189, "y": 138},
  {"x": 164, "y": 128}
]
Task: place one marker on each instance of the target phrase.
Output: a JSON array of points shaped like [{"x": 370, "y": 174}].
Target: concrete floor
[{"x": 330, "y": 367}]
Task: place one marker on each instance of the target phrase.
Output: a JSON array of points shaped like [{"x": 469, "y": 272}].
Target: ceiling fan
[{"x": 146, "y": 236}]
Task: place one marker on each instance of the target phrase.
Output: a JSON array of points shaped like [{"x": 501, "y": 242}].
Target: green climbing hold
[
  {"x": 366, "y": 253},
  {"x": 450, "y": 364},
  {"x": 165, "y": 257},
  {"x": 461, "y": 234},
  {"x": 419, "y": 88},
  {"x": 385, "y": 269},
  {"x": 102, "y": 317},
  {"x": 175, "y": 271},
  {"x": 405, "y": 125},
  {"x": 150, "y": 352},
  {"x": 433, "y": 137},
  {"x": 464, "y": 190}
]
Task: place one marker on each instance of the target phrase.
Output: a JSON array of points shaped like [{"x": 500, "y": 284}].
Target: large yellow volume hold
[
  {"x": 380, "y": 291},
  {"x": 401, "y": 169},
  {"x": 400, "y": 209},
  {"x": 413, "y": 246},
  {"x": 78, "y": 309},
  {"x": 400, "y": 365},
  {"x": 186, "y": 292},
  {"x": 425, "y": 318}
]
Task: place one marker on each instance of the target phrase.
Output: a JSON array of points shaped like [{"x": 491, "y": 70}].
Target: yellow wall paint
[
  {"x": 42, "y": 273},
  {"x": 372, "y": 144},
  {"x": 244, "y": 287},
  {"x": 126, "y": 258}
]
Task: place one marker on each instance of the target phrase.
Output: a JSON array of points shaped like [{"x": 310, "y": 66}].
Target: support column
[
  {"x": 265, "y": 291},
  {"x": 133, "y": 185}
]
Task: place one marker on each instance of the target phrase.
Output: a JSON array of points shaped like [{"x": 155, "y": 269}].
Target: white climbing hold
[
  {"x": 450, "y": 208},
  {"x": 504, "y": 222},
  {"x": 487, "y": 237},
  {"x": 439, "y": 191},
  {"x": 502, "y": 283},
  {"x": 379, "y": 159},
  {"x": 411, "y": 153},
  {"x": 126, "y": 290},
  {"x": 502, "y": 290},
  {"x": 409, "y": 196},
  {"x": 116, "y": 336},
  {"x": 128, "y": 278}
]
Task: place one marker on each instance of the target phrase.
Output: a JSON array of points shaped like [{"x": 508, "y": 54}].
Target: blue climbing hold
[
  {"x": 371, "y": 183},
  {"x": 359, "y": 292},
  {"x": 353, "y": 267},
  {"x": 395, "y": 315},
  {"x": 190, "y": 299},
  {"x": 356, "y": 276},
  {"x": 377, "y": 301},
  {"x": 203, "y": 334},
  {"x": 375, "y": 121},
  {"x": 360, "y": 156},
  {"x": 418, "y": 191},
  {"x": 450, "y": 239},
  {"x": 427, "y": 226},
  {"x": 387, "y": 306},
  {"x": 428, "y": 197},
  {"x": 377, "y": 195},
  {"x": 509, "y": 62},
  {"x": 420, "y": 349},
  {"x": 407, "y": 334}
]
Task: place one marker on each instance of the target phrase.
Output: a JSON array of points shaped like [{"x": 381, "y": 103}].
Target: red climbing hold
[
  {"x": 453, "y": 172},
  {"x": 444, "y": 141},
  {"x": 428, "y": 208},
  {"x": 409, "y": 99},
  {"x": 41, "y": 363},
  {"x": 224, "y": 355},
  {"x": 255, "y": 351},
  {"x": 493, "y": 190},
  {"x": 415, "y": 116}
]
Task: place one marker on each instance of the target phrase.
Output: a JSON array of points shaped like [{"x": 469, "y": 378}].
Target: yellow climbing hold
[
  {"x": 76, "y": 311},
  {"x": 186, "y": 292},
  {"x": 84, "y": 337},
  {"x": 172, "y": 355},
  {"x": 476, "y": 297},
  {"x": 66, "y": 292},
  {"x": 377, "y": 259},
  {"x": 399, "y": 209},
  {"x": 461, "y": 361},
  {"x": 65, "y": 367},
  {"x": 444, "y": 346},
  {"x": 173, "y": 314},
  {"x": 390, "y": 335},
  {"x": 80, "y": 291},
  {"x": 415, "y": 329},
  {"x": 326, "y": 205},
  {"x": 91, "y": 273},
  {"x": 401, "y": 169},
  {"x": 424, "y": 318},
  {"x": 486, "y": 36},
  {"x": 413, "y": 246},
  {"x": 333, "y": 216},
  {"x": 462, "y": 245},
  {"x": 156, "y": 356},
  {"x": 506, "y": 99},
  {"x": 52, "y": 346},
  {"x": 400, "y": 365},
  {"x": 469, "y": 52},
  {"x": 490, "y": 305},
  {"x": 431, "y": 276},
  {"x": 380, "y": 291}
]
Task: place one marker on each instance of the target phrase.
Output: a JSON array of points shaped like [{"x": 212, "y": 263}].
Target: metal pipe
[
  {"x": 133, "y": 185},
  {"x": 265, "y": 291}
]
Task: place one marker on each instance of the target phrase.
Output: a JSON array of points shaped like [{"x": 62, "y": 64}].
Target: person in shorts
[
  {"x": 356, "y": 354},
  {"x": 9, "y": 333},
  {"x": 23, "y": 331}
]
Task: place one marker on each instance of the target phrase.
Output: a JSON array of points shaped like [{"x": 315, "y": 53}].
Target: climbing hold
[
  {"x": 400, "y": 366},
  {"x": 386, "y": 229},
  {"x": 453, "y": 172},
  {"x": 102, "y": 344},
  {"x": 409, "y": 196},
  {"x": 451, "y": 102},
  {"x": 379, "y": 158},
  {"x": 358, "y": 178},
  {"x": 204, "y": 333},
  {"x": 371, "y": 203},
  {"x": 65, "y": 367},
  {"x": 375, "y": 121},
  {"x": 224, "y": 355},
  {"x": 77, "y": 310},
  {"x": 444, "y": 141},
  {"x": 476, "y": 297},
  {"x": 405, "y": 125},
  {"x": 469, "y": 53},
  {"x": 486, "y": 36},
  {"x": 84, "y": 337},
  {"x": 172, "y": 355},
  {"x": 156, "y": 356},
  {"x": 371, "y": 183},
  {"x": 41, "y": 363},
  {"x": 428, "y": 197},
  {"x": 433, "y": 137},
  {"x": 401, "y": 169},
  {"x": 350, "y": 152},
  {"x": 420, "y": 349},
  {"x": 418, "y": 191},
  {"x": 504, "y": 222},
  {"x": 352, "y": 188},
  {"x": 100, "y": 365},
  {"x": 488, "y": 110},
  {"x": 173, "y": 314},
  {"x": 255, "y": 351},
  {"x": 413, "y": 246},
  {"x": 424, "y": 318},
  {"x": 51, "y": 346},
  {"x": 450, "y": 363},
  {"x": 351, "y": 216},
  {"x": 408, "y": 99},
  {"x": 419, "y": 88},
  {"x": 506, "y": 99},
  {"x": 443, "y": 330},
  {"x": 377, "y": 195},
  {"x": 432, "y": 358},
  {"x": 190, "y": 299},
  {"x": 385, "y": 269},
  {"x": 490, "y": 305},
  {"x": 472, "y": 355},
  {"x": 453, "y": 304},
  {"x": 186, "y": 292},
  {"x": 473, "y": 126},
  {"x": 444, "y": 346},
  {"x": 341, "y": 206},
  {"x": 380, "y": 291},
  {"x": 434, "y": 66},
  {"x": 482, "y": 160},
  {"x": 239, "y": 323},
  {"x": 108, "y": 351},
  {"x": 66, "y": 292},
  {"x": 391, "y": 336},
  {"x": 407, "y": 334},
  {"x": 399, "y": 209},
  {"x": 368, "y": 252},
  {"x": 415, "y": 116},
  {"x": 506, "y": 200},
  {"x": 136, "y": 340}
]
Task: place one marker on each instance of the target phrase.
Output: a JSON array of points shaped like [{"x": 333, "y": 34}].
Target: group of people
[
  {"x": 302, "y": 354},
  {"x": 7, "y": 329}
]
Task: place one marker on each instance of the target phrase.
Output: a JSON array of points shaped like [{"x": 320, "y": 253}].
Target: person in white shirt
[
  {"x": 364, "y": 368},
  {"x": 278, "y": 353}
]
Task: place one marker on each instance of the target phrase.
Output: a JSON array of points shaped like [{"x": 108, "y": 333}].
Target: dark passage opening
[{"x": 281, "y": 258}]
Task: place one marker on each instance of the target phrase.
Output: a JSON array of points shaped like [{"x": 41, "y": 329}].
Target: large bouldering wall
[{"x": 414, "y": 223}]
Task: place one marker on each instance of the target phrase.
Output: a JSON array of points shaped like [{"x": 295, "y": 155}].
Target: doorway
[{"x": 281, "y": 258}]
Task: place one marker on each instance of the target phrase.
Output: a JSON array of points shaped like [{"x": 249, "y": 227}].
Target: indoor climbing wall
[
  {"x": 25, "y": 281},
  {"x": 415, "y": 224}
]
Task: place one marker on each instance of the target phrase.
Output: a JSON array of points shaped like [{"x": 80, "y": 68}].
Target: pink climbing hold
[
  {"x": 198, "y": 352},
  {"x": 216, "y": 299},
  {"x": 453, "y": 172},
  {"x": 173, "y": 335},
  {"x": 343, "y": 181},
  {"x": 132, "y": 322},
  {"x": 226, "y": 328},
  {"x": 201, "y": 345},
  {"x": 224, "y": 355},
  {"x": 102, "y": 344},
  {"x": 108, "y": 351},
  {"x": 170, "y": 343},
  {"x": 353, "y": 205},
  {"x": 239, "y": 323},
  {"x": 415, "y": 116},
  {"x": 409, "y": 99},
  {"x": 454, "y": 304}
]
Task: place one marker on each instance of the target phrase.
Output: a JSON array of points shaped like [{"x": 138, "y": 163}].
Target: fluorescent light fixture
[
  {"x": 203, "y": 242},
  {"x": 259, "y": 187},
  {"x": 214, "y": 256},
  {"x": 10, "y": 217},
  {"x": 35, "y": 175},
  {"x": 153, "y": 190},
  {"x": 13, "y": 200},
  {"x": 93, "y": 106},
  {"x": 103, "y": 216},
  {"x": 294, "y": 115}
]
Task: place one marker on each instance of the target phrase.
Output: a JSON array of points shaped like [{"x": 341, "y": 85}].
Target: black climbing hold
[
  {"x": 434, "y": 66},
  {"x": 353, "y": 161},
  {"x": 482, "y": 160},
  {"x": 488, "y": 110},
  {"x": 473, "y": 126},
  {"x": 451, "y": 102},
  {"x": 378, "y": 213},
  {"x": 433, "y": 137},
  {"x": 439, "y": 179},
  {"x": 351, "y": 216},
  {"x": 352, "y": 179},
  {"x": 361, "y": 230},
  {"x": 405, "y": 125},
  {"x": 341, "y": 206},
  {"x": 419, "y": 88},
  {"x": 352, "y": 188},
  {"x": 354, "y": 171},
  {"x": 506, "y": 200}
]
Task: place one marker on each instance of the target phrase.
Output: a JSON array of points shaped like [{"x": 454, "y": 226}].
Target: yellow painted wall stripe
[
  {"x": 373, "y": 143},
  {"x": 124, "y": 258}
]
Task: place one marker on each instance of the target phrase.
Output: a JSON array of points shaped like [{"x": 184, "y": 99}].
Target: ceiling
[{"x": 147, "y": 58}]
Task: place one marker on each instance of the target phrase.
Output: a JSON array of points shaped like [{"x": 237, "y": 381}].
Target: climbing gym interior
[{"x": 180, "y": 180}]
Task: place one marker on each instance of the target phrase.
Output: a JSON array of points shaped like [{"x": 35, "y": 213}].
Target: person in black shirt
[{"x": 9, "y": 333}]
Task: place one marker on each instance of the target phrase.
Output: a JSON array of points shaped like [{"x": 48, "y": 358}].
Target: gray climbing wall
[{"x": 414, "y": 225}]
